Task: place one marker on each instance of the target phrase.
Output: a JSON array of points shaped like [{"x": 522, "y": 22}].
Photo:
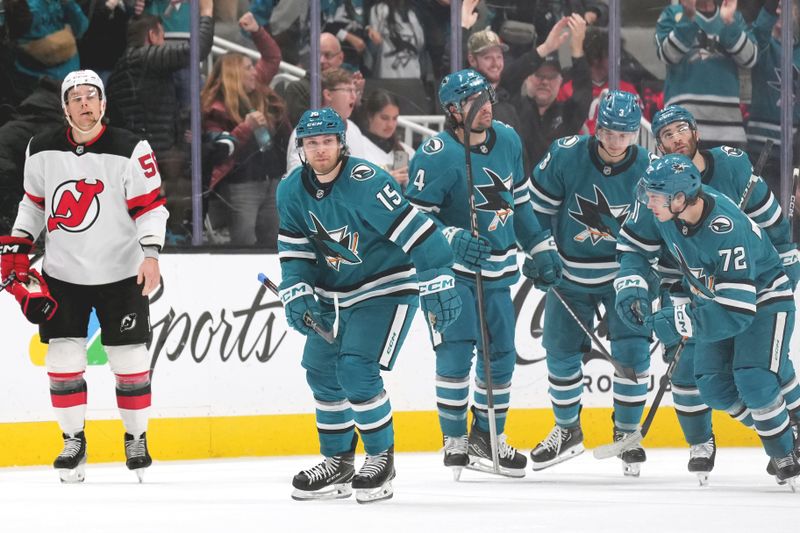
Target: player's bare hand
[
  {"x": 727, "y": 11},
  {"x": 248, "y": 23},
  {"x": 149, "y": 275},
  {"x": 469, "y": 13},
  {"x": 400, "y": 175}
]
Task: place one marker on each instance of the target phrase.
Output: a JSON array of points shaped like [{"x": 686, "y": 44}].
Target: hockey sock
[
  {"x": 133, "y": 400},
  {"x": 694, "y": 415},
  {"x": 374, "y": 422},
  {"x": 790, "y": 389},
  {"x": 760, "y": 391},
  {"x": 335, "y": 426},
  {"x": 565, "y": 396},
  {"x": 629, "y": 400},
  {"x": 452, "y": 399},
  {"x": 68, "y": 395},
  {"x": 502, "y": 397},
  {"x": 740, "y": 412}
]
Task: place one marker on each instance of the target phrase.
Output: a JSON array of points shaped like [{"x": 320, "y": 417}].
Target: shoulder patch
[
  {"x": 433, "y": 145},
  {"x": 568, "y": 142},
  {"x": 652, "y": 156},
  {"x": 362, "y": 172},
  {"x": 731, "y": 151},
  {"x": 721, "y": 224},
  {"x": 545, "y": 161}
]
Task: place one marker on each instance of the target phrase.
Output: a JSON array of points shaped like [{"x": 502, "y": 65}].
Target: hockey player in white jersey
[{"x": 95, "y": 192}]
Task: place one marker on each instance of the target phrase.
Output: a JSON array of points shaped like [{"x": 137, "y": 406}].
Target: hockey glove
[
  {"x": 542, "y": 264},
  {"x": 632, "y": 302},
  {"x": 441, "y": 304},
  {"x": 790, "y": 258},
  {"x": 14, "y": 257},
  {"x": 670, "y": 324},
  {"x": 34, "y": 298},
  {"x": 668, "y": 353},
  {"x": 472, "y": 252},
  {"x": 301, "y": 307}
]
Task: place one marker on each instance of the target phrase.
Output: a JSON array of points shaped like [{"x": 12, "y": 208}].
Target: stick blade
[{"x": 606, "y": 451}]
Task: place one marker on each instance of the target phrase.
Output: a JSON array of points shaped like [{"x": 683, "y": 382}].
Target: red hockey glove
[
  {"x": 34, "y": 298},
  {"x": 14, "y": 257}
]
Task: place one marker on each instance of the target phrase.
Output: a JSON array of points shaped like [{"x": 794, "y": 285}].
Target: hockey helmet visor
[{"x": 669, "y": 176}]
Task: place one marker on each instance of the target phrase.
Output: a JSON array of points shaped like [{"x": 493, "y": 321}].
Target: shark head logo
[
  {"x": 498, "y": 198},
  {"x": 602, "y": 220},
  {"x": 699, "y": 282},
  {"x": 338, "y": 246}
]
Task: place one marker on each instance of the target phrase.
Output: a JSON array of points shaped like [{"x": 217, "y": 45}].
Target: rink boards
[{"x": 227, "y": 379}]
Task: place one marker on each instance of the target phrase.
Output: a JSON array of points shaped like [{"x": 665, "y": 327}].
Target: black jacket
[{"x": 141, "y": 91}]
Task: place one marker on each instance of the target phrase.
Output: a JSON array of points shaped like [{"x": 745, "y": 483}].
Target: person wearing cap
[
  {"x": 486, "y": 56},
  {"x": 95, "y": 192},
  {"x": 543, "y": 119}
]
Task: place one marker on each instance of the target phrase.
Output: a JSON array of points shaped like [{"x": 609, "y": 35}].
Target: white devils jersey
[{"x": 98, "y": 202}]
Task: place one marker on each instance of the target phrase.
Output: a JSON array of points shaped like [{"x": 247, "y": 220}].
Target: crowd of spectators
[{"x": 548, "y": 61}]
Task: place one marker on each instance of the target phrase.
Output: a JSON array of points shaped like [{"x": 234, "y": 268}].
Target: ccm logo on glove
[
  {"x": 439, "y": 283},
  {"x": 295, "y": 291},
  {"x": 683, "y": 324}
]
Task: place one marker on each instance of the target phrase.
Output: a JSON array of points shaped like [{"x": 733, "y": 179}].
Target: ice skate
[
  {"x": 71, "y": 462},
  {"x": 455, "y": 454},
  {"x": 785, "y": 469},
  {"x": 137, "y": 458},
  {"x": 560, "y": 445},
  {"x": 329, "y": 480},
  {"x": 701, "y": 459},
  {"x": 631, "y": 459},
  {"x": 511, "y": 462},
  {"x": 373, "y": 482}
]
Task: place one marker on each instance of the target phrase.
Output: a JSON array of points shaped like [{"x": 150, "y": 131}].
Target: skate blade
[
  {"x": 334, "y": 492},
  {"x": 457, "y": 472},
  {"x": 632, "y": 469},
  {"x": 792, "y": 482},
  {"x": 74, "y": 475},
  {"x": 480, "y": 464},
  {"x": 140, "y": 474},
  {"x": 702, "y": 478},
  {"x": 384, "y": 492},
  {"x": 566, "y": 456}
]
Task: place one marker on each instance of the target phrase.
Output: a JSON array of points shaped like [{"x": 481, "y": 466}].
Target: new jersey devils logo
[{"x": 75, "y": 214}]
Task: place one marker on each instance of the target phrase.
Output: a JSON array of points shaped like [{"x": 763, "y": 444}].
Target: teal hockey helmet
[
  {"x": 619, "y": 111},
  {"x": 323, "y": 121},
  {"x": 458, "y": 86},
  {"x": 669, "y": 176},
  {"x": 669, "y": 115}
]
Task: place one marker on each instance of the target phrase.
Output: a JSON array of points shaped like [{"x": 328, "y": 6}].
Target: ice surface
[{"x": 253, "y": 495}]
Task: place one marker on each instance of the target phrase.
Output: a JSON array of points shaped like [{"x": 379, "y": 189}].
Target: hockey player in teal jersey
[
  {"x": 348, "y": 236},
  {"x": 506, "y": 222},
  {"x": 584, "y": 189},
  {"x": 727, "y": 170},
  {"x": 741, "y": 311}
]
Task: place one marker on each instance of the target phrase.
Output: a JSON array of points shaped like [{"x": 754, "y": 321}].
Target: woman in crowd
[
  {"x": 385, "y": 149},
  {"x": 237, "y": 99}
]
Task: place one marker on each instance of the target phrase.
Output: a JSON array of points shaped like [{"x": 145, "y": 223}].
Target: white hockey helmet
[{"x": 81, "y": 77}]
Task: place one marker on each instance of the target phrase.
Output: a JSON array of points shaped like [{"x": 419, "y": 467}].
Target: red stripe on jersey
[
  {"x": 133, "y": 402},
  {"x": 36, "y": 199},
  {"x": 158, "y": 203},
  {"x": 73, "y": 143},
  {"x": 62, "y": 401},
  {"x": 143, "y": 200}
]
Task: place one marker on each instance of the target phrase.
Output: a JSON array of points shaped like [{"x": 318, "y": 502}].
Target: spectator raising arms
[{"x": 237, "y": 98}]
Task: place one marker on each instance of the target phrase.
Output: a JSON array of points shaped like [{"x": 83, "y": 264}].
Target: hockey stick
[
  {"x": 790, "y": 208},
  {"x": 625, "y": 371},
  {"x": 8, "y": 281},
  {"x": 477, "y": 104},
  {"x": 310, "y": 322},
  {"x": 756, "y": 175},
  {"x": 631, "y": 440}
]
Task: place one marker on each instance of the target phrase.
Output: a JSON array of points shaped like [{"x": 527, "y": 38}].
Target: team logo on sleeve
[
  {"x": 601, "y": 220},
  {"x": 731, "y": 151},
  {"x": 497, "y": 198},
  {"x": 433, "y": 145},
  {"x": 76, "y": 205},
  {"x": 337, "y": 246},
  {"x": 721, "y": 224},
  {"x": 362, "y": 172}
]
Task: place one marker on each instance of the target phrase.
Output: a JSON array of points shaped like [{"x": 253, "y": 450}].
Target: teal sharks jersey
[
  {"x": 356, "y": 238},
  {"x": 728, "y": 171},
  {"x": 586, "y": 201},
  {"x": 505, "y": 218},
  {"x": 727, "y": 261}
]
